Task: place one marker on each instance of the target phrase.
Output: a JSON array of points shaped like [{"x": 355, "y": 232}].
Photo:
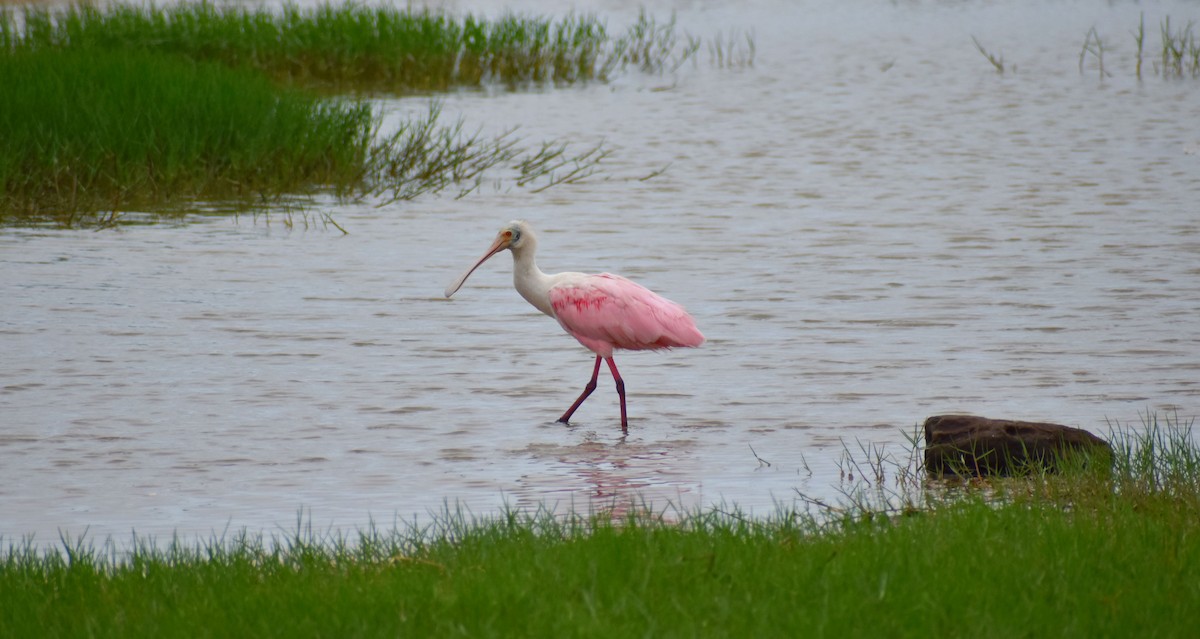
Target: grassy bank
[{"x": 1076, "y": 556}]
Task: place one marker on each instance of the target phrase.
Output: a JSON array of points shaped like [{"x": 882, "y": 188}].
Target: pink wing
[{"x": 608, "y": 311}]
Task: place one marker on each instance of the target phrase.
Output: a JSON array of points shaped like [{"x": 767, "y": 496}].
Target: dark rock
[{"x": 978, "y": 447}]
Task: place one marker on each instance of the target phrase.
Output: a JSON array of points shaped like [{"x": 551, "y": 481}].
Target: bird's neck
[{"x": 530, "y": 281}]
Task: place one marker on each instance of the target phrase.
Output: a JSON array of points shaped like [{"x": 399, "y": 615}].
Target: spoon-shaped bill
[{"x": 500, "y": 244}]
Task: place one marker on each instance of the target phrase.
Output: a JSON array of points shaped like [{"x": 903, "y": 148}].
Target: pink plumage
[{"x": 604, "y": 312}]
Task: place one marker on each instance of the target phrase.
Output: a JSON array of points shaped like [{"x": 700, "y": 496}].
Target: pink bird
[{"x": 604, "y": 312}]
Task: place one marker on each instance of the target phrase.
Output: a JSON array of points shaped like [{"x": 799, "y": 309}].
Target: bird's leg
[
  {"x": 587, "y": 390},
  {"x": 612, "y": 366}
]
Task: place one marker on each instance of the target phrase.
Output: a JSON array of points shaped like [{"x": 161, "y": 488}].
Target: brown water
[{"x": 870, "y": 225}]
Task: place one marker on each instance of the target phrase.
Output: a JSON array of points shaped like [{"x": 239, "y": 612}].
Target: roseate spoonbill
[{"x": 604, "y": 312}]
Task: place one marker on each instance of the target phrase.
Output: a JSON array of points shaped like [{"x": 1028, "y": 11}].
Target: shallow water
[{"x": 870, "y": 225}]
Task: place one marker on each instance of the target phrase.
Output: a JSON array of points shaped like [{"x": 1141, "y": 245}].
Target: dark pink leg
[
  {"x": 612, "y": 366},
  {"x": 587, "y": 390}
]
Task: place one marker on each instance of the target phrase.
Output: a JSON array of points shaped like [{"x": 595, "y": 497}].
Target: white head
[{"x": 516, "y": 236}]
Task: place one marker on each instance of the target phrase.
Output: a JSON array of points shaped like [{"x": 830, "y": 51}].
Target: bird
[{"x": 604, "y": 312}]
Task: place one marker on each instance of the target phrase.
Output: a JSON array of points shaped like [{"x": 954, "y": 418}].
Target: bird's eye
[{"x": 514, "y": 235}]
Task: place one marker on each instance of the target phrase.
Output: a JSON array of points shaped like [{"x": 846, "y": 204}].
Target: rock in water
[{"x": 978, "y": 447}]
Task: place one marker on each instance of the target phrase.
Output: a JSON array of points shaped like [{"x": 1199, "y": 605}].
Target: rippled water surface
[{"x": 870, "y": 225}]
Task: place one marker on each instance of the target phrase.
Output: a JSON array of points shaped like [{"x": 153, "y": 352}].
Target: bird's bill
[{"x": 501, "y": 243}]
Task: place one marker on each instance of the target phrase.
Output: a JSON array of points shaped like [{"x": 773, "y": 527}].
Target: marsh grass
[
  {"x": 997, "y": 61},
  {"x": 1162, "y": 456},
  {"x": 123, "y": 107},
  {"x": 355, "y": 47},
  {"x": 732, "y": 50},
  {"x": 1180, "y": 50},
  {"x": 1139, "y": 39},
  {"x": 1062, "y": 555},
  {"x": 92, "y": 134},
  {"x": 424, "y": 156},
  {"x": 1094, "y": 46},
  {"x": 87, "y": 131}
]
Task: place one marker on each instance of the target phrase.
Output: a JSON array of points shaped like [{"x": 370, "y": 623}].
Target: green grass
[
  {"x": 1179, "y": 50},
  {"x": 87, "y": 130},
  {"x": 88, "y": 134},
  {"x": 1062, "y": 556},
  {"x": 357, "y": 47}
]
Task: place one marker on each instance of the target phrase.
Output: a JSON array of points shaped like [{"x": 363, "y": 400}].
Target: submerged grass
[
  {"x": 1179, "y": 50},
  {"x": 997, "y": 61},
  {"x": 1073, "y": 556}
]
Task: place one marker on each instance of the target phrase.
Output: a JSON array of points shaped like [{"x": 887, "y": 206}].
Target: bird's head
[
  {"x": 512, "y": 235},
  {"x": 516, "y": 236}
]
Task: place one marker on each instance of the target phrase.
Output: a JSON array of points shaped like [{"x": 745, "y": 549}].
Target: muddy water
[{"x": 870, "y": 225}]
